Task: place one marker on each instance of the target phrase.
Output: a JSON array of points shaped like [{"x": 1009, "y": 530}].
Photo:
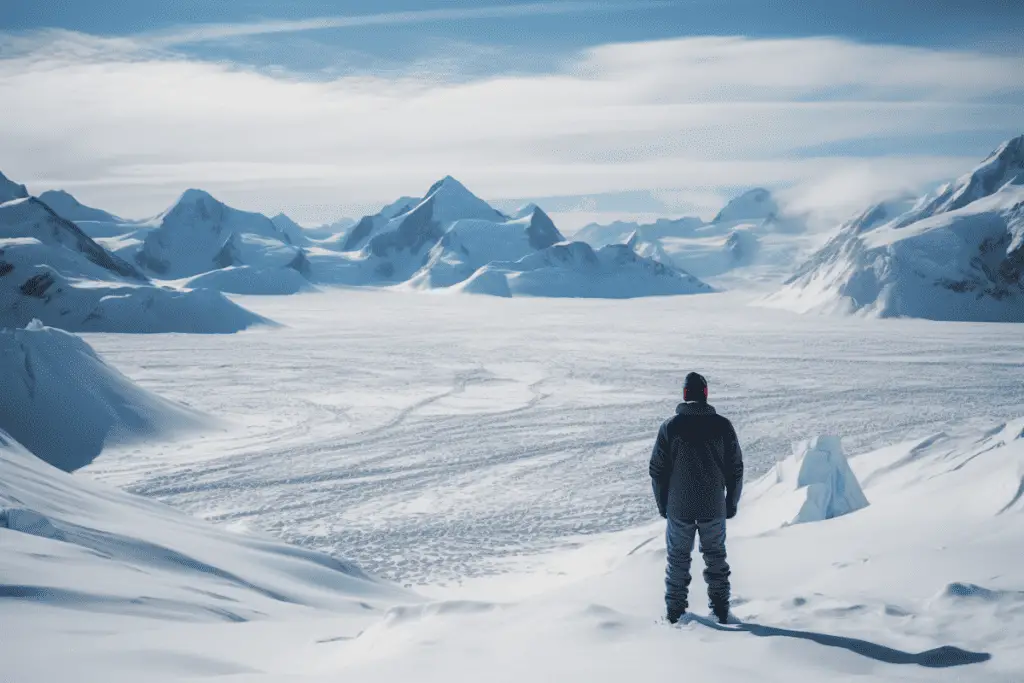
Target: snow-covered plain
[{"x": 491, "y": 453}]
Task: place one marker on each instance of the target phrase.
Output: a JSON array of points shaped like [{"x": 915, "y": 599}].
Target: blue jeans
[{"x": 679, "y": 538}]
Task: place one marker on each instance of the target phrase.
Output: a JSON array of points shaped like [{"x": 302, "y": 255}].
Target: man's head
[{"x": 695, "y": 388}]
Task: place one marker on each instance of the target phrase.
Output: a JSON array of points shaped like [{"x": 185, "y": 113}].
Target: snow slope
[
  {"x": 81, "y": 562},
  {"x": 915, "y": 587},
  {"x": 574, "y": 269},
  {"x": 954, "y": 255},
  {"x": 51, "y": 270},
  {"x": 65, "y": 404}
]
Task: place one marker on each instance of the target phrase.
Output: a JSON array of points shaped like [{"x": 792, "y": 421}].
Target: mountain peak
[
  {"x": 69, "y": 208},
  {"x": 1004, "y": 166},
  {"x": 11, "y": 190},
  {"x": 194, "y": 196},
  {"x": 755, "y": 204},
  {"x": 450, "y": 200}
]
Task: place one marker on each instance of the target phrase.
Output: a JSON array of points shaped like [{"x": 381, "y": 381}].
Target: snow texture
[
  {"x": 62, "y": 401},
  {"x": 954, "y": 255}
]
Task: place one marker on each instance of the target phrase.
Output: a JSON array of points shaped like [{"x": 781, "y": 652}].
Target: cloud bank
[{"x": 127, "y": 123}]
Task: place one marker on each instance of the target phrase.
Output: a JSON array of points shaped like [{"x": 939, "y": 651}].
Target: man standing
[{"x": 697, "y": 473}]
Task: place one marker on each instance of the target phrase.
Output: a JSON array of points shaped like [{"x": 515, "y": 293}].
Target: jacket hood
[{"x": 695, "y": 408}]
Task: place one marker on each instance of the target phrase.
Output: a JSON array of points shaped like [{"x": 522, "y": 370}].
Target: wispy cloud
[
  {"x": 199, "y": 33},
  {"x": 132, "y": 127}
]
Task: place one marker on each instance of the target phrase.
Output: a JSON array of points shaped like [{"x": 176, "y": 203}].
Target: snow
[
  {"x": 11, "y": 190},
  {"x": 753, "y": 205},
  {"x": 199, "y": 234},
  {"x": 69, "y": 208},
  {"x": 751, "y": 244},
  {"x": 955, "y": 255},
  {"x": 66, "y": 404},
  {"x": 574, "y": 269},
  {"x": 252, "y": 280},
  {"x": 492, "y": 453},
  {"x": 51, "y": 270},
  {"x": 814, "y": 484}
]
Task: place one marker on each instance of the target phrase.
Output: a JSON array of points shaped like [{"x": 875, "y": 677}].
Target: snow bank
[{"x": 63, "y": 402}]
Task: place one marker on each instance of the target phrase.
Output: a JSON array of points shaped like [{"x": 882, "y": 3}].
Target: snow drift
[
  {"x": 63, "y": 402},
  {"x": 957, "y": 254}
]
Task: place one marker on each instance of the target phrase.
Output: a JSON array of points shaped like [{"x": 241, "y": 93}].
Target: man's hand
[{"x": 730, "y": 511}]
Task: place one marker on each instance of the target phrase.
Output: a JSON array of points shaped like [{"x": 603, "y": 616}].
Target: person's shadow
[{"x": 937, "y": 658}]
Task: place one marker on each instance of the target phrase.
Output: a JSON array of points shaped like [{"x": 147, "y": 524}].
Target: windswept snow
[
  {"x": 954, "y": 255},
  {"x": 66, "y": 404},
  {"x": 77, "y": 550}
]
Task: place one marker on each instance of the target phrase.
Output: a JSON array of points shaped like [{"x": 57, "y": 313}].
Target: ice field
[{"x": 434, "y": 439}]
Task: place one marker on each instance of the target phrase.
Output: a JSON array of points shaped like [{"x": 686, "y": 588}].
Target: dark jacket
[{"x": 697, "y": 465}]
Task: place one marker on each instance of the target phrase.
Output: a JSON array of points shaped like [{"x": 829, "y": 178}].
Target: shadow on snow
[{"x": 938, "y": 658}]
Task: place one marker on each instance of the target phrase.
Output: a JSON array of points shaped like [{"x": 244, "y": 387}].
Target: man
[{"x": 697, "y": 473}]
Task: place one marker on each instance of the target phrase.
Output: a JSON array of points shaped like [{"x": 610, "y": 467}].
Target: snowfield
[
  {"x": 492, "y": 454},
  {"x": 432, "y": 439}
]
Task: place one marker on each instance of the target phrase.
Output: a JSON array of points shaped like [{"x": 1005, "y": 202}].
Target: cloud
[
  {"x": 198, "y": 33},
  {"x": 129, "y": 126}
]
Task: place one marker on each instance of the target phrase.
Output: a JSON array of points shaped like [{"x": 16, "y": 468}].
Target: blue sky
[{"x": 604, "y": 109}]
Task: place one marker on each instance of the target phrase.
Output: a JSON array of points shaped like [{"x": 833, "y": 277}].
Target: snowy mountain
[
  {"x": 452, "y": 239},
  {"x": 69, "y": 208},
  {"x": 51, "y": 270},
  {"x": 957, "y": 254},
  {"x": 619, "y": 232},
  {"x": 751, "y": 242},
  {"x": 63, "y": 402},
  {"x": 753, "y": 205},
  {"x": 574, "y": 269},
  {"x": 471, "y": 243},
  {"x": 199, "y": 234},
  {"x": 11, "y": 190},
  {"x": 295, "y": 233}
]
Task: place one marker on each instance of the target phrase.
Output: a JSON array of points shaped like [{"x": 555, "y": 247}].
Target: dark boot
[
  {"x": 721, "y": 611},
  {"x": 674, "y": 614}
]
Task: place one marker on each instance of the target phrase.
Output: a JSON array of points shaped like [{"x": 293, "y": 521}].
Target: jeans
[{"x": 679, "y": 537}]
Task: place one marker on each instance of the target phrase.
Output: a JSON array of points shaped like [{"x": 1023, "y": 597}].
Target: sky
[{"x": 596, "y": 110}]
